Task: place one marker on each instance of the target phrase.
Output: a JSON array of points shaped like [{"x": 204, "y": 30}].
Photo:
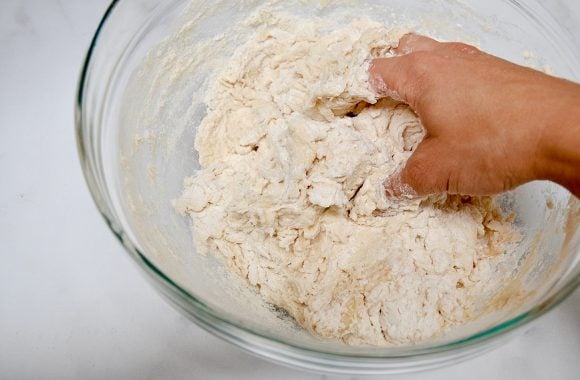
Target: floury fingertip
[{"x": 377, "y": 83}]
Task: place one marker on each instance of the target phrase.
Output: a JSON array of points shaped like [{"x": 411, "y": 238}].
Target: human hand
[{"x": 491, "y": 124}]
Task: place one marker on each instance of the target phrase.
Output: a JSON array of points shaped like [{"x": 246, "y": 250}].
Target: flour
[{"x": 295, "y": 148}]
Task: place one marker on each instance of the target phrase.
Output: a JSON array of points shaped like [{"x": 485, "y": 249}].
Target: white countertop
[{"x": 72, "y": 304}]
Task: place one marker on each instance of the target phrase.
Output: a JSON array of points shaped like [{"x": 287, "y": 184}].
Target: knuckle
[
  {"x": 462, "y": 47},
  {"x": 419, "y": 61},
  {"x": 420, "y": 66}
]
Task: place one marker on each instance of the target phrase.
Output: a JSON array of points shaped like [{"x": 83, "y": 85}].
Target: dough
[{"x": 294, "y": 150}]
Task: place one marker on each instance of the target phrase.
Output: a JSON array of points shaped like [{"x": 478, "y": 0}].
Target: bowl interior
[{"x": 154, "y": 101}]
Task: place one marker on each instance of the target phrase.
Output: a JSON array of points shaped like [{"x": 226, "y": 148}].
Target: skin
[{"x": 491, "y": 125}]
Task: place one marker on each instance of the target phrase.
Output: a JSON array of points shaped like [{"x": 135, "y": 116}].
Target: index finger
[
  {"x": 392, "y": 77},
  {"x": 412, "y": 42}
]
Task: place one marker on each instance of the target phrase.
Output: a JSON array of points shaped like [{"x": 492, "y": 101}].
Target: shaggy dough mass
[{"x": 294, "y": 151}]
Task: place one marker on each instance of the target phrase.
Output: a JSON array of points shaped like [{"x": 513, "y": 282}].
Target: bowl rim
[{"x": 240, "y": 335}]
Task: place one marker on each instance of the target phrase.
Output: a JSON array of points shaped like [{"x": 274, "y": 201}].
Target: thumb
[{"x": 427, "y": 171}]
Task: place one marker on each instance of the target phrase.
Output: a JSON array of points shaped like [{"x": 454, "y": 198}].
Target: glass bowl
[{"x": 134, "y": 168}]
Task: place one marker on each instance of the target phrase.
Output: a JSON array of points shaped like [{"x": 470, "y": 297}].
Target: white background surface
[{"x": 72, "y": 304}]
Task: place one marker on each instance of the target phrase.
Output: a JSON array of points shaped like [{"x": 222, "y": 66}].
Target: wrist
[{"x": 558, "y": 157}]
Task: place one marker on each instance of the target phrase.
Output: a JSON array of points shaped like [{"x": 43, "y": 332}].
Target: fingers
[
  {"x": 428, "y": 171},
  {"x": 402, "y": 77},
  {"x": 411, "y": 42},
  {"x": 417, "y": 76},
  {"x": 388, "y": 76}
]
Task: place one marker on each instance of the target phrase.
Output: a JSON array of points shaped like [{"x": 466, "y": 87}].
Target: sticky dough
[{"x": 294, "y": 150}]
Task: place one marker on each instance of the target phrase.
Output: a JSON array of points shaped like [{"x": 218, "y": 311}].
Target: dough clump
[{"x": 294, "y": 150}]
